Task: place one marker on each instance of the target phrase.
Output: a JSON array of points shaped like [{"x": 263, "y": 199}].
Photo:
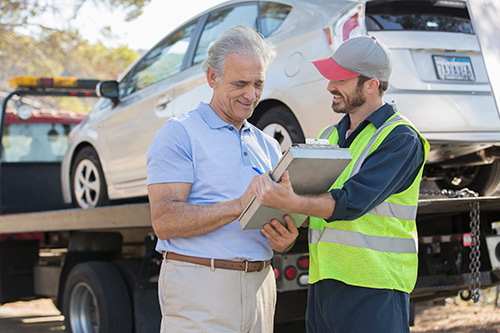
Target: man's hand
[
  {"x": 276, "y": 195},
  {"x": 281, "y": 238},
  {"x": 246, "y": 197}
]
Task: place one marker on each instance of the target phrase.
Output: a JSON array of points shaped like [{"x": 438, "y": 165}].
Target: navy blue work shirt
[{"x": 390, "y": 169}]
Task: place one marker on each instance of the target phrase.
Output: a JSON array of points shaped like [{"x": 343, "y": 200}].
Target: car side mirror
[{"x": 108, "y": 89}]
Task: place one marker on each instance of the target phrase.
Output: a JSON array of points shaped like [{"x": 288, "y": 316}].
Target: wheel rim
[
  {"x": 280, "y": 133},
  {"x": 87, "y": 184},
  {"x": 83, "y": 310}
]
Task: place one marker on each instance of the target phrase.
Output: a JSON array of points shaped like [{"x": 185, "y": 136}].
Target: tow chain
[{"x": 475, "y": 242}]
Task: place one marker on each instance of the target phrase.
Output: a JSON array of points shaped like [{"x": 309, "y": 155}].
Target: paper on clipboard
[{"x": 313, "y": 168}]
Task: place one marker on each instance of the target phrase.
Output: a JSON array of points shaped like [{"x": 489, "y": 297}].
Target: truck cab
[{"x": 33, "y": 144}]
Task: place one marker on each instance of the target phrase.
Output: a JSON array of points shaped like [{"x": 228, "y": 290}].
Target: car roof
[{"x": 309, "y": 4}]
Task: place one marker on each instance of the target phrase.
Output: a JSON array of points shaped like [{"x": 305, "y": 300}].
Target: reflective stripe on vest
[
  {"x": 357, "y": 239},
  {"x": 385, "y": 209},
  {"x": 364, "y": 154},
  {"x": 326, "y": 133},
  {"x": 389, "y": 209},
  {"x": 378, "y": 249}
]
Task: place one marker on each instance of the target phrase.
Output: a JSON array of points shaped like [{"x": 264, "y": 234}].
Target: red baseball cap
[{"x": 362, "y": 55}]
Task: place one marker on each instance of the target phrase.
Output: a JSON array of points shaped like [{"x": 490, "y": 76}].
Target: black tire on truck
[{"x": 96, "y": 299}]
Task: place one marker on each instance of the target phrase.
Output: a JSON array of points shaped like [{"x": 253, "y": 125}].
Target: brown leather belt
[{"x": 247, "y": 266}]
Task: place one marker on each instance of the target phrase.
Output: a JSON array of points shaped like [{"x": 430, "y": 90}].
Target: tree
[
  {"x": 51, "y": 52},
  {"x": 20, "y": 13}
]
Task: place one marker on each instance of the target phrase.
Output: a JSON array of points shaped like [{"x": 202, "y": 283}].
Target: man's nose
[
  {"x": 250, "y": 92},
  {"x": 331, "y": 85}
]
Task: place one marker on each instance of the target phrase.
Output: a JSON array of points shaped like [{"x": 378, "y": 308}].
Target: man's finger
[{"x": 290, "y": 223}]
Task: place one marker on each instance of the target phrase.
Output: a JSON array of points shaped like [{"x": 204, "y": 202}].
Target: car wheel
[
  {"x": 87, "y": 180},
  {"x": 483, "y": 179},
  {"x": 96, "y": 299},
  {"x": 281, "y": 124}
]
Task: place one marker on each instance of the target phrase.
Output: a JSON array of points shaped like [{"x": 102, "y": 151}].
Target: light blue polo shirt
[{"x": 200, "y": 148}]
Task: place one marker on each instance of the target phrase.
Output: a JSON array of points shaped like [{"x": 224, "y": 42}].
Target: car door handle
[{"x": 162, "y": 102}]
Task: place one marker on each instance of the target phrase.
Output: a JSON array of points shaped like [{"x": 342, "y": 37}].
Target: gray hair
[{"x": 239, "y": 39}]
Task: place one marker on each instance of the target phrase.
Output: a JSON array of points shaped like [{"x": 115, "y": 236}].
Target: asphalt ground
[{"x": 31, "y": 316}]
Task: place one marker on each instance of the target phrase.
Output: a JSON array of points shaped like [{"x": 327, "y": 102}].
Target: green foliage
[
  {"x": 60, "y": 53},
  {"x": 49, "y": 52}
]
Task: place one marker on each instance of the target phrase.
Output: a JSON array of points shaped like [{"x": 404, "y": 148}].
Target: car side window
[
  {"x": 222, "y": 19},
  {"x": 162, "y": 61},
  {"x": 122, "y": 85},
  {"x": 272, "y": 14}
]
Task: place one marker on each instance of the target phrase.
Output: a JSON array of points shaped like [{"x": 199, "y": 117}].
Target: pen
[{"x": 257, "y": 170}]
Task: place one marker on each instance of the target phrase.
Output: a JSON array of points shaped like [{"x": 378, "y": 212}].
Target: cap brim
[{"x": 330, "y": 69}]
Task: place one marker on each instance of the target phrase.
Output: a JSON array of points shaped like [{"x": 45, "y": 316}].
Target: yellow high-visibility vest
[{"x": 379, "y": 249}]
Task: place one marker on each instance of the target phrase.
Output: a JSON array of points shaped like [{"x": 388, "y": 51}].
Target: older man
[{"x": 216, "y": 277}]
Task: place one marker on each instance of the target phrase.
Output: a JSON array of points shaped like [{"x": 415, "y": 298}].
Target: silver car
[{"x": 439, "y": 81}]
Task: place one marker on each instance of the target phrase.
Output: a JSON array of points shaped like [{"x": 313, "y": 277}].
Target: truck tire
[
  {"x": 280, "y": 123},
  {"x": 88, "y": 185},
  {"x": 483, "y": 179},
  {"x": 96, "y": 299}
]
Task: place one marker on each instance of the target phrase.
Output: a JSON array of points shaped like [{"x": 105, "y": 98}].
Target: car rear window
[{"x": 417, "y": 16}]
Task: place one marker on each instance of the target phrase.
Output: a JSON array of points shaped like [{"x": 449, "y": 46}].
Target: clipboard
[{"x": 313, "y": 168}]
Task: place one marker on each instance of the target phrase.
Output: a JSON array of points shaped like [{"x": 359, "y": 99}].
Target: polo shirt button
[{"x": 245, "y": 153}]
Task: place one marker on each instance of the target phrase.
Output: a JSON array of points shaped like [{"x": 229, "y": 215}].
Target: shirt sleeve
[
  {"x": 169, "y": 156},
  {"x": 390, "y": 169}
]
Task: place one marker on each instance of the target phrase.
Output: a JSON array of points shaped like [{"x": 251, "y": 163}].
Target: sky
[{"x": 158, "y": 18}]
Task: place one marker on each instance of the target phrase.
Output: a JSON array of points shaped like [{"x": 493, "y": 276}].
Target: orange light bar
[{"x": 56, "y": 82}]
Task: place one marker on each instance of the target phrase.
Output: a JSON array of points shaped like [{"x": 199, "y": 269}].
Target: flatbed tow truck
[{"x": 100, "y": 267}]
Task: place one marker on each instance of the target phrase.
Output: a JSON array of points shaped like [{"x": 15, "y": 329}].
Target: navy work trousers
[{"x": 336, "y": 307}]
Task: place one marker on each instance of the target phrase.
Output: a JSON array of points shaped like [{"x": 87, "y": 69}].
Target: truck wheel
[
  {"x": 482, "y": 179},
  {"x": 280, "y": 123},
  {"x": 87, "y": 180},
  {"x": 96, "y": 299}
]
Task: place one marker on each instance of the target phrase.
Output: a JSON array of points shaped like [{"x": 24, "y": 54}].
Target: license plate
[{"x": 453, "y": 68}]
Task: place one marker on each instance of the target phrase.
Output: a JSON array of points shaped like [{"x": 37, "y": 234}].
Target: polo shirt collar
[{"x": 213, "y": 120}]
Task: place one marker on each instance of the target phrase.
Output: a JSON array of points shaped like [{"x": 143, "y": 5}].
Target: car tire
[
  {"x": 95, "y": 299},
  {"x": 483, "y": 179},
  {"x": 280, "y": 123},
  {"x": 88, "y": 186}
]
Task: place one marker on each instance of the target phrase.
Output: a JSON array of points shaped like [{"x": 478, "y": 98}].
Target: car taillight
[
  {"x": 290, "y": 272},
  {"x": 351, "y": 24},
  {"x": 467, "y": 239},
  {"x": 303, "y": 263},
  {"x": 277, "y": 273}
]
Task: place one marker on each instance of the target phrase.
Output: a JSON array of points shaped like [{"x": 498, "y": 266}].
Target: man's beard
[{"x": 351, "y": 102}]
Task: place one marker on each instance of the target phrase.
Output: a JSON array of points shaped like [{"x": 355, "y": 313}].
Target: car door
[{"x": 147, "y": 102}]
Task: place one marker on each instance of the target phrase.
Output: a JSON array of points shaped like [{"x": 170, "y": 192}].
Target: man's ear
[
  {"x": 212, "y": 78},
  {"x": 372, "y": 85}
]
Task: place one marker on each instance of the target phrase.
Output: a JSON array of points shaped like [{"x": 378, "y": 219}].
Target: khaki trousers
[{"x": 194, "y": 298}]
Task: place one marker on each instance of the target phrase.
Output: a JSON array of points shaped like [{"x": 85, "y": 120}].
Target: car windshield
[
  {"x": 35, "y": 142},
  {"x": 417, "y": 16}
]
